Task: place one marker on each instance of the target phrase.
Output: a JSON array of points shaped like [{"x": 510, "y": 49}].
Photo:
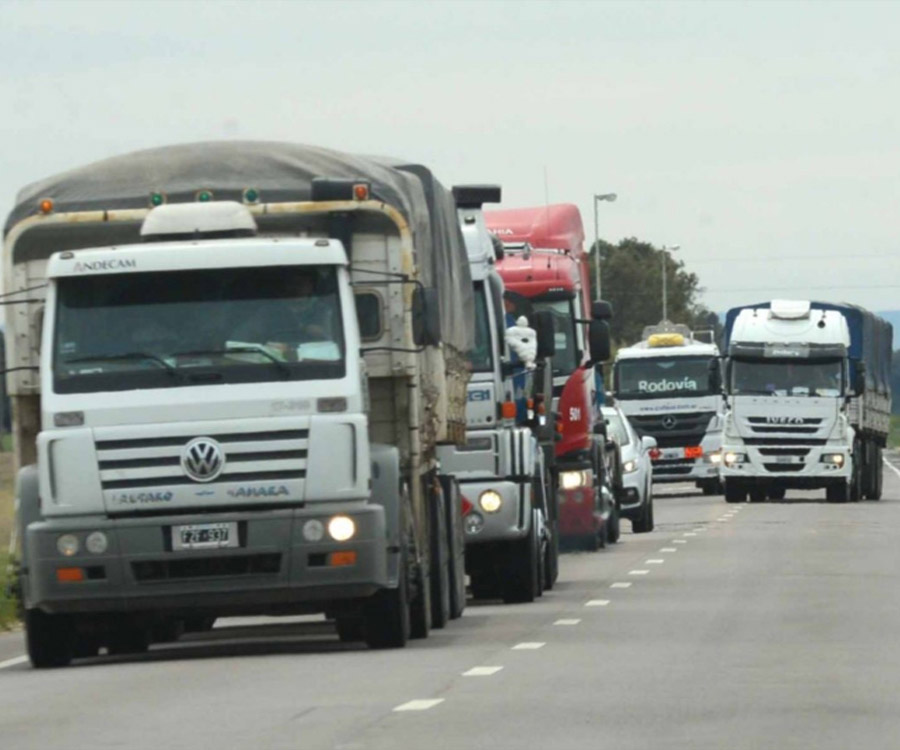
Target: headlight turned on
[
  {"x": 833, "y": 458},
  {"x": 629, "y": 466},
  {"x": 731, "y": 458},
  {"x": 490, "y": 501},
  {"x": 341, "y": 528},
  {"x": 67, "y": 545},
  {"x": 573, "y": 480}
]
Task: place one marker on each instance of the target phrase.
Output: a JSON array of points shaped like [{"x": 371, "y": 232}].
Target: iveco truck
[
  {"x": 809, "y": 401},
  {"x": 232, "y": 366},
  {"x": 508, "y": 500},
  {"x": 668, "y": 386}
]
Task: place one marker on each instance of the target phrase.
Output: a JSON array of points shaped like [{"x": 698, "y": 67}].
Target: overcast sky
[{"x": 762, "y": 137}]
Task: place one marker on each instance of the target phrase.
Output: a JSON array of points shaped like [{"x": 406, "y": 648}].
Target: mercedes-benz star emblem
[
  {"x": 669, "y": 422},
  {"x": 202, "y": 459}
]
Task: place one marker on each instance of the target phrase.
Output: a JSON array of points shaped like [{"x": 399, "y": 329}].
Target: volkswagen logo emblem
[
  {"x": 669, "y": 422},
  {"x": 202, "y": 459}
]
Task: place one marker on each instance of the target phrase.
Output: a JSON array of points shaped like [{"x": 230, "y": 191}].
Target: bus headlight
[
  {"x": 490, "y": 501},
  {"x": 573, "y": 480}
]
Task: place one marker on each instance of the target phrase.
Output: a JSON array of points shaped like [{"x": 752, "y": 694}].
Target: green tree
[{"x": 631, "y": 280}]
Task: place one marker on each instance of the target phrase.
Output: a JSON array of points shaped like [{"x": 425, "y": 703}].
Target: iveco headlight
[
  {"x": 490, "y": 501},
  {"x": 573, "y": 480},
  {"x": 67, "y": 545},
  {"x": 629, "y": 466},
  {"x": 833, "y": 458},
  {"x": 714, "y": 458},
  {"x": 341, "y": 528},
  {"x": 731, "y": 458}
]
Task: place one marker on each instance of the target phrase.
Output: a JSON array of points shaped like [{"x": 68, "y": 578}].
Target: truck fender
[
  {"x": 28, "y": 511},
  {"x": 387, "y": 491}
]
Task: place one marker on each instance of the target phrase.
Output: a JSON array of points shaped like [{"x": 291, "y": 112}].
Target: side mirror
[
  {"x": 598, "y": 341},
  {"x": 542, "y": 322},
  {"x": 426, "y": 317},
  {"x": 715, "y": 376},
  {"x": 859, "y": 378},
  {"x": 601, "y": 310},
  {"x": 648, "y": 443},
  {"x": 600, "y": 428}
]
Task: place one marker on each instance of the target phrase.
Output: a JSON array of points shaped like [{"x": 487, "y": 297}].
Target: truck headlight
[
  {"x": 714, "y": 458},
  {"x": 313, "y": 530},
  {"x": 67, "y": 545},
  {"x": 96, "y": 543},
  {"x": 573, "y": 480},
  {"x": 833, "y": 458},
  {"x": 341, "y": 528},
  {"x": 629, "y": 467},
  {"x": 490, "y": 501},
  {"x": 731, "y": 458}
]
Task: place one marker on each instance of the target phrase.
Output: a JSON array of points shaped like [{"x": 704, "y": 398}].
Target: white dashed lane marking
[
  {"x": 656, "y": 561},
  {"x": 597, "y": 603},
  {"x": 668, "y": 549},
  {"x": 621, "y": 585},
  {"x": 690, "y": 533},
  {"x": 13, "y": 662},
  {"x": 679, "y": 541},
  {"x": 572, "y": 621},
  {"x": 419, "y": 705},
  {"x": 528, "y": 646},
  {"x": 481, "y": 671},
  {"x": 638, "y": 572}
]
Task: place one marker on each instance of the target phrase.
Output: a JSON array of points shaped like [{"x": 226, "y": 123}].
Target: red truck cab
[{"x": 546, "y": 262}]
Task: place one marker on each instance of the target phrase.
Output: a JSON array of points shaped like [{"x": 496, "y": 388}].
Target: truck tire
[
  {"x": 439, "y": 571},
  {"x": 50, "y": 639},
  {"x": 858, "y": 474},
  {"x": 777, "y": 493},
  {"x": 456, "y": 545},
  {"x": 349, "y": 629},
  {"x": 644, "y": 523},
  {"x": 878, "y": 474},
  {"x": 839, "y": 492},
  {"x": 614, "y": 527},
  {"x": 551, "y": 566},
  {"x": 520, "y": 584},
  {"x": 386, "y": 615},
  {"x": 420, "y": 603},
  {"x": 757, "y": 494},
  {"x": 735, "y": 493}
]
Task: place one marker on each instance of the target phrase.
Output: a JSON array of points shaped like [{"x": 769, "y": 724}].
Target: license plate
[
  {"x": 787, "y": 460},
  {"x": 205, "y": 536},
  {"x": 671, "y": 453}
]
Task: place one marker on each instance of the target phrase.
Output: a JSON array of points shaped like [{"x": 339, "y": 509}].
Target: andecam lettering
[
  {"x": 114, "y": 264},
  {"x": 662, "y": 386}
]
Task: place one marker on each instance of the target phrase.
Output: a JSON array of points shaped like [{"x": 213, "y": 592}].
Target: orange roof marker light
[
  {"x": 361, "y": 191},
  {"x": 46, "y": 206}
]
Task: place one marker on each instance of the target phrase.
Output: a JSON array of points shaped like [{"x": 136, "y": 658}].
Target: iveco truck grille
[
  {"x": 784, "y": 425},
  {"x": 248, "y": 457}
]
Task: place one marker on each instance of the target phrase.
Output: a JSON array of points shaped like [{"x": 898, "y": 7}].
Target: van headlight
[
  {"x": 573, "y": 480},
  {"x": 490, "y": 501},
  {"x": 341, "y": 528}
]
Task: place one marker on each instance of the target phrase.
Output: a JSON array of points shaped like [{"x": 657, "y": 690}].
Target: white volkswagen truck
[
  {"x": 808, "y": 392},
  {"x": 668, "y": 385},
  {"x": 232, "y": 365}
]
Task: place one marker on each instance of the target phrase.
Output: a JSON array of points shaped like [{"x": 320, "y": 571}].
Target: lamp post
[
  {"x": 610, "y": 197},
  {"x": 665, "y": 249}
]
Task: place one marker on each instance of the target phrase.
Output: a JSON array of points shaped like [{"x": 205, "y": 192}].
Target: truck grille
[
  {"x": 673, "y": 467},
  {"x": 784, "y": 468},
  {"x": 156, "y": 462},
  {"x": 762, "y": 426},
  {"x": 673, "y": 430},
  {"x": 206, "y": 567}
]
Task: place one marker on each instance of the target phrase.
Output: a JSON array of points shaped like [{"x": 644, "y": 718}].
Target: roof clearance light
[
  {"x": 46, "y": 206},
  {"x": 665, "y": 339},
  {"x": 251, "y": 195},
  {"x": 361, "y": 192},
  {"x": 204, "y": 196},
  {"x": 157, "y": 198}
]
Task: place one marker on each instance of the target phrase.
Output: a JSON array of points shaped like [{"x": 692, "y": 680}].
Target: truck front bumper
[
  {"x": 674, "y": 466},
  {"x": 273, "y": 567},
  {"x": 783, "y": 466},
  {"x": 509, "y": 522}
]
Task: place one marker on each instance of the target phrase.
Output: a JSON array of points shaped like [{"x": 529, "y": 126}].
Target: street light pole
[
  {"x": 666, "y": 249},
  {"x": 599, "y": 197}
]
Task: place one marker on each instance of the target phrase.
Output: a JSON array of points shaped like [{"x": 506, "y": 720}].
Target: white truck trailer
[
  {"x": 232, "y": 366},
  {"x": 668, "y": 385},
  {"x": 809, "y": 401}
]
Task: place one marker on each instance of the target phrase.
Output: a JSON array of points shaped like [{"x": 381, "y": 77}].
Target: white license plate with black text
[{"x": 205, "y": 536}]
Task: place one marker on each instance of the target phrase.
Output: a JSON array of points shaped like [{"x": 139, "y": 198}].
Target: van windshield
[{"x": 126, "y": 331}]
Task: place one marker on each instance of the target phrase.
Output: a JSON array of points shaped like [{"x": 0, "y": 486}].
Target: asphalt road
[{"x": 751, "y": 626}]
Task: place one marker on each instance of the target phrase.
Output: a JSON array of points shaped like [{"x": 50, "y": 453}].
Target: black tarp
[{"x": 280, "y": 172}]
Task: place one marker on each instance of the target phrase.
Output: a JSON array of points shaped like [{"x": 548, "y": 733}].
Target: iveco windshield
[
  {"x": 654, "y": 378},
  {"x": 786, "y": 378},
  {"x": 200, "y": 327}
]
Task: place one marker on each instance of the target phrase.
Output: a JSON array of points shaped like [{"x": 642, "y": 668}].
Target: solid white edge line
[
  {"x": 13, "y": 662},
  {"x": 481, "y": 671},
  {"x": 891, "y": 466},
  {"x": 419, "y": 705},
  {"x": 528, "y": 646}
]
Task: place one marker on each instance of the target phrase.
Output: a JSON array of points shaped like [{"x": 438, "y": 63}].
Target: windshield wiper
[
  {"x": 146, "y": 356},
  {"x": 282, "y": 366}
]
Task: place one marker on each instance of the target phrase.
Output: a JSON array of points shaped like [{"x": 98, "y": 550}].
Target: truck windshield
[
  {"x": 786, "y": 378},
  {"x": 200, "y": 327},
  {"x": 565, "y": 358},
  {"x": 480, "y": 357},
  {"x": 663, "y": 376}
]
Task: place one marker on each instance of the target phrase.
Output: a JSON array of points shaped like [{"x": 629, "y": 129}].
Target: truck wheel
[
  {"x": 349, "y": 629},
  {"x": 50, "y": 639},
  {"x": 420, "y": 604},
  {"x": 735, "y": 493},
  {"x": 551, "y": 566},
  {"x": 439, "y": 572},
  {"x": 857, "y": 477},
  {"x": 386, "y": 616},
  {"x": 838, "y": 492},
  {"x": 520, "y": 585},
  {"x": 777, "y": 493},
  {"x": 644, "y": 523},
  {"x": 878, "y": 471},
  {"x": 757, "y": 494},
  {"x": 484, "y": 586},
  {"x": 614, "y": 530},
  {"x": 456, "y": 545}
]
